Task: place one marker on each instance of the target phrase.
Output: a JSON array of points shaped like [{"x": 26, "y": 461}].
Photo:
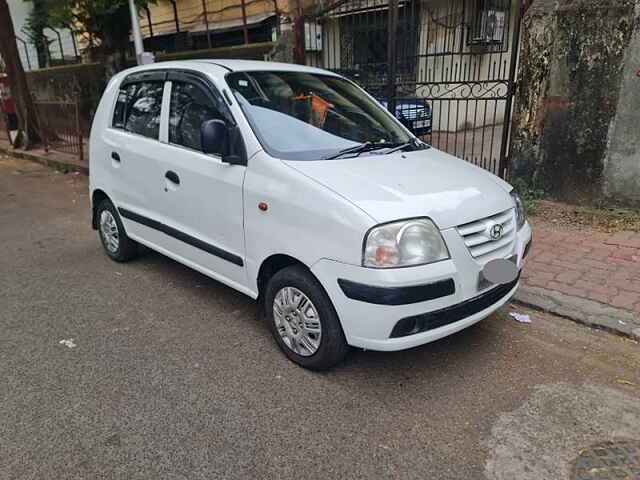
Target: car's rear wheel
[
  {"x": 303, "y": 321},
  {"x": 117, "y": 245}
]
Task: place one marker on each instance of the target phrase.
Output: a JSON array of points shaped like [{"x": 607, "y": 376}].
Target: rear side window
[
  {"x": 190, "y": 107},
  {"x": 142, "y": 115},
  {"x": 124, "y": 99}
]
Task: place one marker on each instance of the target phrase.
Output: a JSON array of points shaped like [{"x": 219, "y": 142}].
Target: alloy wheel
[
  {"x": 297, "y": 321},
  {"x": 109, "y": 231}
]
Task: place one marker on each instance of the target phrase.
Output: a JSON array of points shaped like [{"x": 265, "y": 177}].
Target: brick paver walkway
[{"x": 598, "y": 266}]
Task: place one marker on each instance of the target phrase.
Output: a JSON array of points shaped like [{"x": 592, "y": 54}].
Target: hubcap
[
  {"x": 297, "y": 321},
  {"x": 109, "y": 231}
]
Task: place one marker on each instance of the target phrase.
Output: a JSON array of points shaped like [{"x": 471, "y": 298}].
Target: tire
[
  {"x": 108, "y": 219},
  {"x": 292, "y": 284}
]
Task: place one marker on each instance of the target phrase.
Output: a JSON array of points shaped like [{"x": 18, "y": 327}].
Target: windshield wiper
[
  {"x": 371, "y": 146},
  {"x": 358, "y": 149},
  {"x": 399, "y": 147},
  {"x": 414, "y": 144}
]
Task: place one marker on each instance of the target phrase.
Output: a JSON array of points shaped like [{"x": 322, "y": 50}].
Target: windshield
[{"x": 309, "y": 116}]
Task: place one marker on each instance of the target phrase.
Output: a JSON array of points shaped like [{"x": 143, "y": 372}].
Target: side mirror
[
  {"x": 218, "y": 139},
  {"x": 214, "y": 136}
]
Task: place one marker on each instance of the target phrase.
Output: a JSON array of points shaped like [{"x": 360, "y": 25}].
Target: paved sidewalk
[
  {"x": 600, "y": 267},
  {"x": 63, "y": 162}
]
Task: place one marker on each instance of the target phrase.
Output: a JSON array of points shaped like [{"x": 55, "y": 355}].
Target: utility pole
[
  {"x": 298, "y": 34},
  {"x": 143, "y": 58},
  {"x": 244, "y": 22},
  {"x": 392, "y": 54}
]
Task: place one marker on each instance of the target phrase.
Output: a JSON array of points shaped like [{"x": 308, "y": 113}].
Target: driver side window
[{"x": 190, "y": 107}]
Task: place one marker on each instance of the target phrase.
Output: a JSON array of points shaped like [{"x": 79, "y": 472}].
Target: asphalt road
[{"x": 170, "y": 375}]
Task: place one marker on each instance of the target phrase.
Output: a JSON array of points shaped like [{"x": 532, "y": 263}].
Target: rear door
[
  {"x": 133, "y": 150},
  {"x": 202, "y": 202}
]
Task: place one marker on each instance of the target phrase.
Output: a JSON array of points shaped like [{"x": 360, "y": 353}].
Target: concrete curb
[
  {"x": 49, "y": 159},
  {"x": 581, "y": 310}
]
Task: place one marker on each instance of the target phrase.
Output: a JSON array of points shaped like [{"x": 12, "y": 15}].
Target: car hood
[{"x": 423, "y": 183}]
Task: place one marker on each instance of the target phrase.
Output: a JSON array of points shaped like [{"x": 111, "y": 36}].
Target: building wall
[
  {"x": 576, "y": 125},
  {"x": 622, "y": 161},
  {"x": 20, "y": 10},
  {"x": 329, "y": 57},
  {"x": 437, "y": 77},
  {"x": 19, "y": 13},
  {"x": 442, "y": 28},
  {"x": 191, "y": 13}
]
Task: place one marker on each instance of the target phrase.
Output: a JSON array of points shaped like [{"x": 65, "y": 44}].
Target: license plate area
[
  {"x": 421, "y": 123},
  {"x": 484, "y": 284}
]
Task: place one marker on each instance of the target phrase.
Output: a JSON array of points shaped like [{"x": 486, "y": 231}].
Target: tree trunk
[
  {"x": 28, "y": 124},
  {"x": 115, "y": 40},
  {"x": 298, "y": 34}
]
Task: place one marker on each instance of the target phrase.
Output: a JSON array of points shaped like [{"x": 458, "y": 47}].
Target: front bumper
[{"x": 371, "y": 325}]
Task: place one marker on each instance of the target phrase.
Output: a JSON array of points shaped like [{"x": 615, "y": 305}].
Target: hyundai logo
[{"x": 495, "y": 231}]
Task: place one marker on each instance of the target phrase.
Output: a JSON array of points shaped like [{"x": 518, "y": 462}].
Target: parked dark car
[{"x": 413, "y": 112}]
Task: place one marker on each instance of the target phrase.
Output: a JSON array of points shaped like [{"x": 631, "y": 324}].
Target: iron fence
[
  {"x": 60, "y": 48},
  {"x": 167, "y": 27},
  {"x": 446, "y": 69},
  {"x": 61, "y": 126}
]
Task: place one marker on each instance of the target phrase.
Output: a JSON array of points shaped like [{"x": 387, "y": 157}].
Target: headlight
[
  {"x": 403, "y": 244},
  {"x": 520, "y": 218}
]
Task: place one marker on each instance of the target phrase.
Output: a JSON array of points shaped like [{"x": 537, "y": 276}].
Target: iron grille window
[
  {"x": 369, "y": 44},
  {"x": 490, "y": 23},
  {"x": 365, "y": 36}
]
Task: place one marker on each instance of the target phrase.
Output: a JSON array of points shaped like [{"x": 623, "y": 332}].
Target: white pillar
[{"x": 144, "y": 58}]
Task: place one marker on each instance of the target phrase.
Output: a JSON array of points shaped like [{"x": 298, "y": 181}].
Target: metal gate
[
  {"x": 61, "y": 127},
  {"x": 445, "y": 68}
]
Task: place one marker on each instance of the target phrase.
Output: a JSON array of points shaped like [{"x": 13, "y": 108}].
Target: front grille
[
  {"x": 476, "y": 236},
  {"x": 413, "y": 112},
  {"x": 440, "y": 318}
]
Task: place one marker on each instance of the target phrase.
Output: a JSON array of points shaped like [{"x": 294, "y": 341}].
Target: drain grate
[{"x": 608, "y": 461}]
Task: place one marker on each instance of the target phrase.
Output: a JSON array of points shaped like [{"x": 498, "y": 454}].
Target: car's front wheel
[{"x": 303, "y": 320}]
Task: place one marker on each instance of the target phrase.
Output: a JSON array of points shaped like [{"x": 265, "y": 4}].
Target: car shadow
[{"x": 463, "y": 352}]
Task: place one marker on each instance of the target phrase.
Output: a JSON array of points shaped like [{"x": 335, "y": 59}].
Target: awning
[
  {"x": 354, "y": 7},
  {"x": 217, "y": 26}
]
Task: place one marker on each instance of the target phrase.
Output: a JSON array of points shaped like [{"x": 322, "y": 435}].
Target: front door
[{"x": 200, "y": 197}]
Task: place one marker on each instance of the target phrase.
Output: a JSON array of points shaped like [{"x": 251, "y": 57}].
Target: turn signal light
[{"x": 386, "y": 256}]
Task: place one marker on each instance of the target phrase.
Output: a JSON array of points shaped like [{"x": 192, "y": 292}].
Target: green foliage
[
  {"x": 37, "y": 20},
  {"x": 87, "y": 12},
  {"x": 530, "y": 208},
  {"x": 526, "y": 192},
  {"x": 34, "y": 27},
  {"x": 530, "y": 196},
  {"x": 104, "y": 24}
]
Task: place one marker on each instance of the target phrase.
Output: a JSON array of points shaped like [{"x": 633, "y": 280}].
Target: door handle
[
  {"x": 115, "y": 156},
  {"x": 172, "y": 177}
]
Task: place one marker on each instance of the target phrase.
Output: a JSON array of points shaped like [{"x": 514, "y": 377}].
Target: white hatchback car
[{"x": 295, "y": 187}]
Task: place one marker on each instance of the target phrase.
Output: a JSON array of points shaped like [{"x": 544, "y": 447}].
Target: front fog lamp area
[
  {"x": 520, "y": 217},
  {"x": 403, "y": 244}
]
